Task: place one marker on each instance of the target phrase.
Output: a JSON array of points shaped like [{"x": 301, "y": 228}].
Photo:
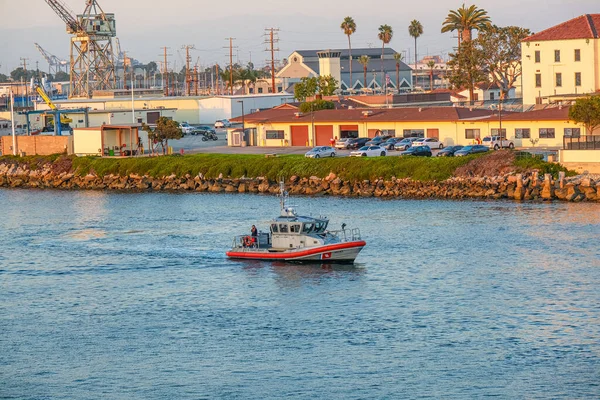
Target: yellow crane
[{"x": 42, "y": 92}]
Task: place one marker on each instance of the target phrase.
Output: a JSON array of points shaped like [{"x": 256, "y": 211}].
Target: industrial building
[{"x": 192, "y": 109}]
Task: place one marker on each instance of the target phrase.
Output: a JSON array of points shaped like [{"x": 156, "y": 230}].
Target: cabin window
[
  {"x": 283, "y": 228},
  {"x": 274, "y": 228},
  {"x": 295, "y": 228},
  {"x": 307, "y": 228}
]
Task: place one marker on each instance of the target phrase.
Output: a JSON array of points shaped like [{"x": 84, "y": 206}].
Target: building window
[
  {"x": 558, "y": 79},
  {"x": 260, "y": 90},
  {"x": 275, "y": 134},
  {"x": 537, "y": 56},
  {"x": 492, "y": 95},
  {"x": 389, "y": 132},
  {"x": 413, "y": 133},
  {"x": 577, "y": 55},
  {"x": 577, "y": 78},
  {"x": 547, "y": 133},
  {"x": 496, "y": 131},
  {"x": 522, "y": 133},
  {"x": 471, "y": 133},
  {"x": 572, "y": 132},
  {"x": 538, "y": 80},
  {"x": 556, "y": 55}
]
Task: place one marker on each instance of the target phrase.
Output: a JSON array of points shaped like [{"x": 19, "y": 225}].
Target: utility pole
[
  {"x": 217, "y": 75},
  {"x": 188, "y": 73},
  {"x": 165, "y": 72},
  {"x": 272, "y": 38},
  {"x": 196, "y": 80},
  {"x": 230, "y": 64}
]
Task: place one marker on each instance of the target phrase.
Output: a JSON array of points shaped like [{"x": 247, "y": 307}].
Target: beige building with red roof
[
  {"x": 451, "y": 125},
  {"x": 563, "y": 61}
]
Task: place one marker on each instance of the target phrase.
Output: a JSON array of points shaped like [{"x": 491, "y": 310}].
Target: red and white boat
[{"x": 292, "y": 237}]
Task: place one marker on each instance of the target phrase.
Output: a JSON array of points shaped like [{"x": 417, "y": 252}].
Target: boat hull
[{"x": 339, "y": 252}]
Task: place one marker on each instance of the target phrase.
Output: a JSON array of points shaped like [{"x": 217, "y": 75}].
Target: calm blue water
[{"x": 121, "y": 296}]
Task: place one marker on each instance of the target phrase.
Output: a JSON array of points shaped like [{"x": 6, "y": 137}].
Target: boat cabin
[{"x": 297, "y": 232}]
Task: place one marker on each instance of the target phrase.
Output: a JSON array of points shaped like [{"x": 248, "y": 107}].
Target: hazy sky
[{"x": 307, "y": 24}]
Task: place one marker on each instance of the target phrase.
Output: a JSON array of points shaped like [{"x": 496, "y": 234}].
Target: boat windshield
[
  {"x": 308, "y": 227},
  {"x": 283, "y": 228},
  {"x": 274, "y": 228}
]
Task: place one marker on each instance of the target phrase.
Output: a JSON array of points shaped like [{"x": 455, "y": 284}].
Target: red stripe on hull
[{"x": 294, "y": 254}]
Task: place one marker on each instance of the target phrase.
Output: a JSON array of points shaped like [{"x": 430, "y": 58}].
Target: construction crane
[
  {"x": 54, "y": 63},
  {"x": 92, "y": 65},
  {"x": 41, "y": 91}
]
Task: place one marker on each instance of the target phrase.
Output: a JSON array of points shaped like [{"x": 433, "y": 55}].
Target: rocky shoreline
[{"x": 510, "y": 186}]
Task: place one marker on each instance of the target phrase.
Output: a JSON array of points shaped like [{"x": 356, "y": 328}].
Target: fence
[{"x": 586, "y": 142}]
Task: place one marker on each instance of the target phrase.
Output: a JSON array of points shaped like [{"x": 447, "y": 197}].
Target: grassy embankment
[{"x": 237, "y": 166}]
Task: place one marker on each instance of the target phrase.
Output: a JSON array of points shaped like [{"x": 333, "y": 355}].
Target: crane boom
[{"x": 61, "y": 10}]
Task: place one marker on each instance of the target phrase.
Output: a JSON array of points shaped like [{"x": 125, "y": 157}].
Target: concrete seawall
[{"x": 513, "y": 186}]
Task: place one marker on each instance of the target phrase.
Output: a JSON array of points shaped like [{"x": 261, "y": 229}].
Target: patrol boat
[{"x": 292, "y": 237}]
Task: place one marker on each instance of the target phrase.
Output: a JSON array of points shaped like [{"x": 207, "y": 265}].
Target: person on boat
[{"x": 253, "y": 231}]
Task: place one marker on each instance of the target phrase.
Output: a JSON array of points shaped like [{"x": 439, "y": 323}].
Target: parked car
[
  {"x": 342, "y": 143},
  {"x": 186, "y": 128},
  {"x": 405, "y": 143},
  {"x": 357, "y": 143},
  {"x": 390, "y": 144},
  {"x": 377, "y": 140},
  {"x": 432, "y": 143},
  {"x": 471, "y": 149},
  {"x": 203, "y": 130},
  {"x": 222, "y": 123},
  {"x": 320, "y": 151},
  {"x": 494, "y": 142},
  {"x": 448, "y": 151},
  {"x": 369, "y": 151},
  {"x": 421, "y": 151}
]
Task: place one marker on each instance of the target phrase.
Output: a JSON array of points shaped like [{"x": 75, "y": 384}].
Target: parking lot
[{"x": 194, "y": 144}]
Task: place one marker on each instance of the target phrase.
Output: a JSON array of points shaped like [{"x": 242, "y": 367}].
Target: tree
[
  {"x": 327, "y": 85},
  {"x": 316, "y": 105},
  {"x": 466, "y": 68},
  {"x": 349, "y": 27},
  {"x": 20, "y": 73},
  {"x": 385, "y": 35},
  {"x": 415, "y": 29},
  {"x": 3, "y": 78},
  {"x": 464, "y": 20},
  {"x": 61, "y": 77},
  {"x": 586, "y": 111},
  {"x": 431, "y": 65},
  {"x": 307, "y": 87},
  {"x": 166, "y": 129},
  {"x": 398, "y": 57},
  {"x": 501, "y": 50},
  {"x": 364, "y": 61}
]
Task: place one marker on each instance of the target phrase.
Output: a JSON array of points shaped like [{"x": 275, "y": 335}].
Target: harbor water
[{"x": 130, "y": 296}]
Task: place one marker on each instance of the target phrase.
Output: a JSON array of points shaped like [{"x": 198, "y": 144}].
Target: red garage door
[
  {"x": 300, "y": 135},
  {"x": 323, "y": 133}
]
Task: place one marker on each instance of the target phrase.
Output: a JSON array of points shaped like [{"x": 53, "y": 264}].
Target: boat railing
[
  {"x": 248, "y": 242},
  {"x": 346, "y": 235}
]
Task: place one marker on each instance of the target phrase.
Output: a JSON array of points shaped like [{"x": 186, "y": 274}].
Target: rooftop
[{"x": 585, "y": 26}]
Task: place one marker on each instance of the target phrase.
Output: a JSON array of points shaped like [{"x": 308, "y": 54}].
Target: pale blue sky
[{"x": 307, "y": 24}]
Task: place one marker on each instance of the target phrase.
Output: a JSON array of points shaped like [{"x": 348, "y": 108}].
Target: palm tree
[
  {"x": 364, "y": 61},
  {"x": 385, "y": 35},
  {"x": 431, "y": 65},
  {"x": 464, "y": 20},
  {"x": 415, "y": 29},
  {"x": 398, "y": 57},
  {"x": 349, "y": 27}
]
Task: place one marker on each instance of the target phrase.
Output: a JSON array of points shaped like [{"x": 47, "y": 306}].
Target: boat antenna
[{"x": 283, "y": 194}]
